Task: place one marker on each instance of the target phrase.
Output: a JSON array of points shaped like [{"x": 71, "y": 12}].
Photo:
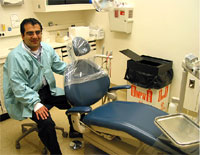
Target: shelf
[
  {"x": 13, "y": 33},
  {"x": 56, "y": 27},
  {"x": 41, "y": 6}
]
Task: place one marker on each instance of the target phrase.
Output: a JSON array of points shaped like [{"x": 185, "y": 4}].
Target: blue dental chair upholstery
[
  {"x": 81, "y": 94},
  {"x": 135, "y": 119},
  {"x": 127, "y": 117}
]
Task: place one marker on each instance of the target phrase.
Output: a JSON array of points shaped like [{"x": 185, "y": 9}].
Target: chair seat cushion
[{"x": 136, "y": 119}]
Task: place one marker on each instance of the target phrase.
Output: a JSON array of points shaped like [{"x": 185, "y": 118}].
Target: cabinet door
[
  {"x": 191, "y": 100},
  {"x": 2, "y": 107},
  {"x": 59, "y": 78}
]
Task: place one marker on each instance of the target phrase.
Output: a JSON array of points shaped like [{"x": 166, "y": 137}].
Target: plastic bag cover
[
  {"x": 82, "y": 71},
  {"x": 80, "y": 46}
]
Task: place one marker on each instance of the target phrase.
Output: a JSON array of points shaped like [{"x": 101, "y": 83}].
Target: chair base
[
  {"x": 25, "y": 132},
  {"x": 112, "y": 146},
  {"x": 31, "y": 128}
]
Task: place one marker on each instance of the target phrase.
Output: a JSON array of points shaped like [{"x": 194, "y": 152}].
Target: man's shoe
[{"x": 75, "y": 134}]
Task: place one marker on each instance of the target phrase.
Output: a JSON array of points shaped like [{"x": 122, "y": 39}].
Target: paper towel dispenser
[{"x": 11, "y": 2}]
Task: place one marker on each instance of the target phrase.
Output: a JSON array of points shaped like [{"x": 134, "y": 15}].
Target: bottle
[
  {"x": 59, "y": 38},
  {"x": 172, "y": 109}
]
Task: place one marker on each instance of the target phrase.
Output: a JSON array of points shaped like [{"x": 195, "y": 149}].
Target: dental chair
[{"x": 117, "y": 127}]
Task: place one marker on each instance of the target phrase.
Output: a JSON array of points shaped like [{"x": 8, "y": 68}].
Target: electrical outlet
[
  {"x": 13, "y": 32},
  {"x": 191, "y": 83},
  {"x": 2, "y": 34}
]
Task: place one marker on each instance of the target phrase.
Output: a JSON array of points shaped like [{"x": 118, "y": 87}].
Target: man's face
[{"x": 32, "y": 36}]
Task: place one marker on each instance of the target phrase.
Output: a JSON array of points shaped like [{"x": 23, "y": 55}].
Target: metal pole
[{"x": 182, "y": 91}]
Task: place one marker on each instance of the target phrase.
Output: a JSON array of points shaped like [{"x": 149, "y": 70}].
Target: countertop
[{"x": 4, "y": 52}]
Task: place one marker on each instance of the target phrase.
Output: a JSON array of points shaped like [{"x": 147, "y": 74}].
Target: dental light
[{"x": 120, "y": 14}]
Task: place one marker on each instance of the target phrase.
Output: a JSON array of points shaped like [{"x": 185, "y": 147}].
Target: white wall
[
  {"x": 26, "y": 11},
  {"x": 168, "y": 29},
  {"x": 5, "y": 12}
]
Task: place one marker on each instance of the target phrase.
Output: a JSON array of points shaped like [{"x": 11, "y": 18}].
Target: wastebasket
[{"x": 150, "y": 79}]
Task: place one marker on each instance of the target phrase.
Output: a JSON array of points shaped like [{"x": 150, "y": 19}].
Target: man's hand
[{"x": 42, "y": 112}]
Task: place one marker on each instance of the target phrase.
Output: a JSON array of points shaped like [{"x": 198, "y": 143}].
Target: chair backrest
[
  {"x": 85, "y": 81},
  {"x": 89, "y": 90}
]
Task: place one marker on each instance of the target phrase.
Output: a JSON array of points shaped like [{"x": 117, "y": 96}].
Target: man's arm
[
  {"x": 16, "y": 72},
  {"x": 58, "y": 66}
]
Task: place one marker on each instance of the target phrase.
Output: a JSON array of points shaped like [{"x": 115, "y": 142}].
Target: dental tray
[{"x": 180, "y": 130}]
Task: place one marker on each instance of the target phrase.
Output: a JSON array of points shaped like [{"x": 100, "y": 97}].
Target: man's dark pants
[{"x": 46, "y": 128}]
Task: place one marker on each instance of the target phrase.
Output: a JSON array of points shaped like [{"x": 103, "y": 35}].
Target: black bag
[{"x": 148, "y": 72}]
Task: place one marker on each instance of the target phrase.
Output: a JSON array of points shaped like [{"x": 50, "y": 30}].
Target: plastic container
[{"x": 172, "y": 109}]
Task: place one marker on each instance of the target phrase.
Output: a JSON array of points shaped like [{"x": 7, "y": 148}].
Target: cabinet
[
  {"x": 60, "y": 78},
  {"x": 42, "y": 6},
  {"x": 2, "y": 109},
  {"x": 191, "y": 98},
  {"x": 3, "y": 112}
]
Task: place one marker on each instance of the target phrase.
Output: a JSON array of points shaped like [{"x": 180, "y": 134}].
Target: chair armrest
[
  {"x": 119, "y": 87},
  {"x": 81, "y": 109}
]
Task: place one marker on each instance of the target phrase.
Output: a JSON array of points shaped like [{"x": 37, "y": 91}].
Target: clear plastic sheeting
[
  {"x": 82, "y": 71},
  {"x": 107, "y": 5},
  {"x": 80, "y": 46},
  {"x": 78, "y": 49},
  {"x": 103, "y": 5},
  {"x": 82, "y": 68}
]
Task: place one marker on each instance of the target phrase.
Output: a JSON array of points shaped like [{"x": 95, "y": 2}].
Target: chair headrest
[{"x": 80, "y": 46}]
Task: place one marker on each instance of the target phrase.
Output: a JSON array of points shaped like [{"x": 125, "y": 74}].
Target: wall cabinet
[{"x": 42, "y": 6}]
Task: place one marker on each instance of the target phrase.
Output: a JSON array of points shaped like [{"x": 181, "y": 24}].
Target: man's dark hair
[{"x": 31, "y": 21}]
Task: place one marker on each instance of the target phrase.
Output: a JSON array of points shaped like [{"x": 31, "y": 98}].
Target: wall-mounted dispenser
[{"x": 11, "y": 2}]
